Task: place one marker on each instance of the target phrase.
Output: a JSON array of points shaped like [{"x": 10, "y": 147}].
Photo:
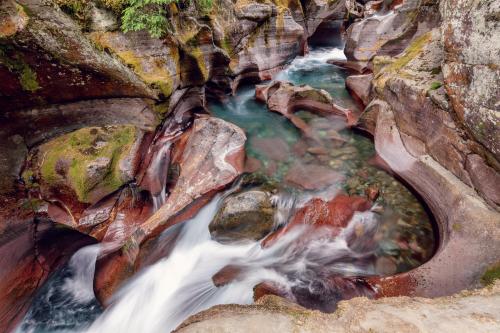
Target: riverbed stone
[{"x": 247, "y": 215}]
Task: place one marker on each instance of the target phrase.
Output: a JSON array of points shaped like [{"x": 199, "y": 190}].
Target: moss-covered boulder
[{"x": 91, "y": 162}]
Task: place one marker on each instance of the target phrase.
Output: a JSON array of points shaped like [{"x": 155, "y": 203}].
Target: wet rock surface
[
  {"x": 210, "y": 156},
  {"x": 247, "y": 215}
]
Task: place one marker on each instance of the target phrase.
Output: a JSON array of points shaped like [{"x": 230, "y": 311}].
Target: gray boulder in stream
[{"x": 245, "y": 215}]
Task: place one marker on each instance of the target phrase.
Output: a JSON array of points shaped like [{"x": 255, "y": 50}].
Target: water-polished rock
[
  {"x": 285, "y": 98},
  {"x": 360, "y": 87},
  {"x": 312, "y": 176},
  {"x": 210, "y": 156},
  {"x": 244, "y": 215},
  {"x": 326, "y": 218}
]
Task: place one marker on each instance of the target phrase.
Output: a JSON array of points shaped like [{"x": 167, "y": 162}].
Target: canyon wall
[{"x": 90, "y": 118}]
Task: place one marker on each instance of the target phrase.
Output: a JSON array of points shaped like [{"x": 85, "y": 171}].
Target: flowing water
[{"x": 394, "y": 236}]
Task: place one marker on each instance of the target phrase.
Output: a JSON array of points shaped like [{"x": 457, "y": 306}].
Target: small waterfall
[
  {"x": 155, "y": 178},
  {"x": 82, "y": 264},
  {"x": 166, "y": 293},
  {"x": 66, "y": 302},
  {"x": 159, "y": 199},
  {"x": 311, "y": 61}
]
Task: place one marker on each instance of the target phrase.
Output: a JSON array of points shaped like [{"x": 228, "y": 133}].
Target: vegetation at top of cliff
[{"x": 152, "y": 15}]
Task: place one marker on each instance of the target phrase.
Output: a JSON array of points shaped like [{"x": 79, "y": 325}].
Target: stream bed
[{"x": 394, "y": 236}]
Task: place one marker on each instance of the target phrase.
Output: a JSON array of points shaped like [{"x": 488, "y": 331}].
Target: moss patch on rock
[
  {"x": 16, "y": 64},
  {"x": 491, "y": 275},
  {"x": 152, "y": 70},
  {"x": 87, "y": 159}
]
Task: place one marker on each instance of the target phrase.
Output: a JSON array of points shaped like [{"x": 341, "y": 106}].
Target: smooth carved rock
[
  {"x": 404, "y": 83},
  {"x": 319, "y": 11},
  {"x": 285, "y": 98},
  {"x": 360, "y": 87},
  {"x": 478, "y": 310},
  {"x": 469, "y": 226},
  {"x": 267, "y": 48},
  {"x": 210, "y": 156},
  {"x": 388, "y": 34}
]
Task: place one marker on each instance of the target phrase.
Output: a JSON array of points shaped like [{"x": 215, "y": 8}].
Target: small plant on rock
[{"x": 150, "y": 15}]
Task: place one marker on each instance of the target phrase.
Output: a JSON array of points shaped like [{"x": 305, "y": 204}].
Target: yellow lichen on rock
[{"x": 153, "y": 70}]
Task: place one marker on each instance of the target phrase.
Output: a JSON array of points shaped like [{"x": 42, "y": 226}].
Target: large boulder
[
  {"x": 92, "y": 162},
  {"x": 246, "y": 215}
]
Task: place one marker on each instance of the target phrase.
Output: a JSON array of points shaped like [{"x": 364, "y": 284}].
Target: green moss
[
  {"x": 28, "y": 79},
  {"x": 16, "y": 64},
  {"x": 199, "y": 58},
  {"x": 152, "y": 70},
  {"x": 66, "y": 158},
  {"x": 411, "y": 52},
  {"x": 435, "y": 85},
  {"x": 226, "y": 45},
  {"x": 491, "y": 274}
]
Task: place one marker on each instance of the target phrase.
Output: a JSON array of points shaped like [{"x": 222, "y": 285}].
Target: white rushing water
[
  {"x": 165, "y": 294},
  {"x": 312, "y": 60}
]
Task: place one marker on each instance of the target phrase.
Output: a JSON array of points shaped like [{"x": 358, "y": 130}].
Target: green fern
[{"x": 147, "y": 15}]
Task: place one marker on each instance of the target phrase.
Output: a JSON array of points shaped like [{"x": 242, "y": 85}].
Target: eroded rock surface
[
  {"x": 476, "y": 311},
  {"x": 285, "y": 98}
]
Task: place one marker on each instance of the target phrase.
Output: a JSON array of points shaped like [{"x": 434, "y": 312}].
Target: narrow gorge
[{"x": 249, "y": 166}]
